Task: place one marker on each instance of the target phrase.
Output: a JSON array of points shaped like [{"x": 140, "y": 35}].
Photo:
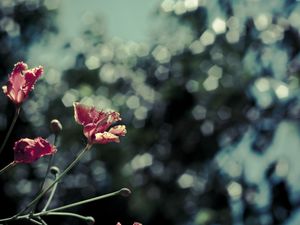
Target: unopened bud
[
  {"x": 125, "y": 192},
  {"x": 56, "y": 126},
  {"x": 54, "y": 170},
  {"x": 90, "y": 220}
]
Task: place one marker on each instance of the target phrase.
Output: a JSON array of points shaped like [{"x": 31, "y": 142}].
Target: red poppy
[
  {"x": 21, "y": 82},
  {"x": 96, "y": 123},
  {"x": 28, "y": 150}
]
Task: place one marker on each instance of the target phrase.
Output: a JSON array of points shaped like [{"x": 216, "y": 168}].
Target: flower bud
[
  {"x": 56, "y": 126},
  {"x": 90, "y": 220},
  {"x": 125, "y": 192},
  {"x": 54, "y": 170}
]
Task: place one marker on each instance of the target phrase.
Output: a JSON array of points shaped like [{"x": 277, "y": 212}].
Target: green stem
[
  {"x": 7, "y": 219},
  {"x": 50, "y": 161},
  {"x": 44, "y": 180},
  {"x": 49, "y": 164},
  {"x": 27, "y": 217},
  {"x": 47, "y": 171},
  {"x": 79, "y": 203},
  {"x": 34, "y": 221},
  {"x": 66, "y": 214},
  {"x": 42, "y": 221},
  {"x": 17, "y": 112},
  {"x": 79, "y": 156},
  {"x": 50, "y": 197},
  {"x": 13, "y": 163}
]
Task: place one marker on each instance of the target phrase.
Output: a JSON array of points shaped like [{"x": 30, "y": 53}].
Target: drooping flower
[
  {"x": 28, "y": 150},
  {"x": 96, "y": 124},
  {"x": 21, "y": 82}
]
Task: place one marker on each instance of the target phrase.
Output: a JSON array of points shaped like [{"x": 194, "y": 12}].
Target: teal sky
[{"x": 130, "y": 20}]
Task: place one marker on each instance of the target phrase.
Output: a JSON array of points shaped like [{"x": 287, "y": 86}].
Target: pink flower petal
[
  {"x": 19, "y": 67},
  {"x": 21, "y": 82},
  {"x": 104, "y": 138},
  {"x": 89, "y": 131},
  {"x": 96, "y": 122},
  {"x": 119, "y": 130},
  {"x": 29, "y": 150},
  {"x": 82, "y": 113}
]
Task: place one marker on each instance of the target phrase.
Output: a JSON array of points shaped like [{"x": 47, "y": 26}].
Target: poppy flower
[
  {"x": 21, "y": 82},
  {"x": 28, "y": 150},
  {"x": 96, "y": 124}
]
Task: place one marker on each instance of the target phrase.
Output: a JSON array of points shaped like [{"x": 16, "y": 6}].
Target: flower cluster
[
  {"x": 95, "y": 123},
  {"x": 98, "y": 127}
]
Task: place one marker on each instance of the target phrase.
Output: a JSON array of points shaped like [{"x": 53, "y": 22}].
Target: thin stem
[
  {"x": 44, "y": 180},
  {"x": 50, "y": 161},
  {"x": 47, "y": 171},
  {"x": 27, "y": 217},
  {"x": 79, "y": 156},
  {"x": 50, "y": 197},
  {"x": 42, "y": 221},
  {"x": 43, "y": 183},
  {"x": 65, "y": 214},
  {"x": 35, "y": 221},
  {"x": 17, "y": 112},
  {"x": 49, "y": 164},
  {"x": 55, "y": 139},
  {"x": 79, "y": 203},
  {"x": 13, "y": 163},
  {"x": 7, "y": 219}
]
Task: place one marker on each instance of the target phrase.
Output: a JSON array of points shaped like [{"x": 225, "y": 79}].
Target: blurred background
[{"x": 208, "y": 90}]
